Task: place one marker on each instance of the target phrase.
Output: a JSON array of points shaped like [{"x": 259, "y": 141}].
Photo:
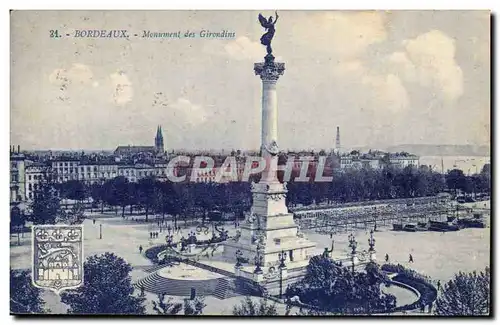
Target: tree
[
  {"x": 97, "y": 194},
  {"x": 168, "y": 307},
  {"x": 46, "y": 204},
  {"x": 119, "y": 192},
  {"x": 146, "y": 194},
  {"x": 248, "y": 307},
  {"x": 74, "y": 216},
  {"x": 24, "y": 297},
  {"x": 194, "y": 307},
  {"x": 333, "y": 288},
  {"x": 455, "y": 180},
  {"x": 107, "y": 288},
  {"x": 73, "y": 190},
  {"x": 467, "y": 294},
  {"x": 17, "y": 222},
  {"x": 162, "y": 307},
  {"x": 485, "y": 178},
  {"x": 204, "y": 198}
]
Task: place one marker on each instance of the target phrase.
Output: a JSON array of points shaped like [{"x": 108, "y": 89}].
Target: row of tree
[{"x": 186, "y": 200}]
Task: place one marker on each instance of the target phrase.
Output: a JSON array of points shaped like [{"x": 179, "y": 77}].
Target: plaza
[{"x": 437, "y": 255}]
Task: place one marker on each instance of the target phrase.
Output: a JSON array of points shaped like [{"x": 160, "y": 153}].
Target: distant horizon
[{"x": 362, "y": 147}]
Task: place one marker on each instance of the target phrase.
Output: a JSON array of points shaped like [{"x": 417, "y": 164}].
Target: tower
[
  {"x": 337, "y": 141},
  {"x": 159, "y": 141}
]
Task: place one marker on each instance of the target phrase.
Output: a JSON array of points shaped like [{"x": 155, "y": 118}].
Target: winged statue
[{"x": 268, "y": 24}]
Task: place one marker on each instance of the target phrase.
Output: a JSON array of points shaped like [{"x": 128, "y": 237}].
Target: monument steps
[
  {"x": 151, "y": 268},
  {"x": 157, "y": 284},
  {"x": 225, "y": 289},
  {"x": 221, "y": 288}
]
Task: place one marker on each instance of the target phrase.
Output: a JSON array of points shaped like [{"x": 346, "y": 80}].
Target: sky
[{"x": 384, "y": 77}]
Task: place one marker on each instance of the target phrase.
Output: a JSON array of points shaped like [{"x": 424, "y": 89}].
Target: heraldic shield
[{"x": 57, "y": 257}]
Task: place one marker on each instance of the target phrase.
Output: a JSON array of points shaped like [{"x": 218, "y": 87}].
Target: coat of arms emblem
[{"x": 57, "y": 257}]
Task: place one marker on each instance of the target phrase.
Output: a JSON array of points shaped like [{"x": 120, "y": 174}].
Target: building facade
[{"x": 17, "y": 176}]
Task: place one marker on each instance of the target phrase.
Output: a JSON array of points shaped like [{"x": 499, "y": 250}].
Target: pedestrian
[
  {"x": 156, "y": 234},
  {"x": 150, "y": 235},
  {"x": 439, "y": 285},
  {"x": 331, "y": 235},
  {"x": 411, "y": 259},
  {"x": 386, "y": 258},
  {"x": 93, "y": 220},
  {"x": 140, "y": 249}
]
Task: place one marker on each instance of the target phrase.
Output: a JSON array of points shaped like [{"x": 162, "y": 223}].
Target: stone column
[{"x": 269, "y": 72}]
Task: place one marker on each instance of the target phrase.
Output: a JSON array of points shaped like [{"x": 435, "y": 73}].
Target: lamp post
[
  {"x": 169, "y": 237},
  {"x": 258, "y": 260},
  {"x": 371, "y": 243},
  {"x": 282, "y": 259},
  {"x": 100, "y": 231},
  {"x": 192, "y": 237},
  {"x": 352, "y": 244}
]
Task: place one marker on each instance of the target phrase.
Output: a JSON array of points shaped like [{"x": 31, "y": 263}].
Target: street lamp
[
  {"x": 192, "y": 238},
  {"x": 258, "y": 260},
  {"x": 169, "y": 239},
  {"x": 170, "y": 236},
  {"x": 371, "y": 241},
  {"x": 352, "y": 244},
  {"x": 282, "y": 259}
]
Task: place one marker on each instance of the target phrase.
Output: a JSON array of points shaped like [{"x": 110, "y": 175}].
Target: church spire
[{"x": 159, "y": 140}]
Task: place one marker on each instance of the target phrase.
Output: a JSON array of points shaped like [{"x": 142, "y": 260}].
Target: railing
[{"x": 417, "y": 200}]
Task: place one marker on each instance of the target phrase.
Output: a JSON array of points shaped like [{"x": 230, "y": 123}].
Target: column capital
[{"x": 269, "y": 70}]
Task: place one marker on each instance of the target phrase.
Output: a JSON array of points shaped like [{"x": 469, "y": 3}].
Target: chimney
[{"x": 18, "y": 149}]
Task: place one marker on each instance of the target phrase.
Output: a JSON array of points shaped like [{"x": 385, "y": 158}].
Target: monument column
[
  {"x": 269, "y": 229},
  {"x": 269, "y": 72}
]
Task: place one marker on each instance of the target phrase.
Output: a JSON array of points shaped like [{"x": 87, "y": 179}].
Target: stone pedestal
[
  {"x": 284, "y": 272},
  {"x": 354, "y": 259},
  {"x": 372, "y": 255},
  {"x": 258, "y": 277}
]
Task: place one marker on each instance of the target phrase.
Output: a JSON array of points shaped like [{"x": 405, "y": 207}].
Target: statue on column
[
  {"x": 268, "y": 24},
  {"x": 272, "y": 148}
]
